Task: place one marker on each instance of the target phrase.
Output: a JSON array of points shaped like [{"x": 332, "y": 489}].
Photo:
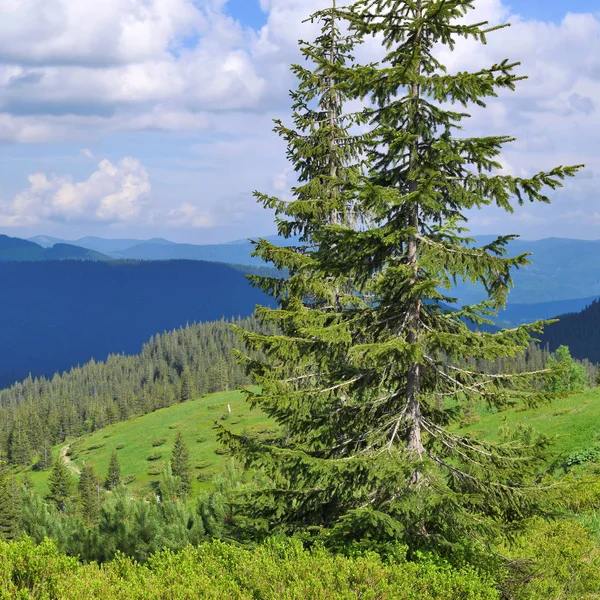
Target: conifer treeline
[{"x": 173, "y": 367}]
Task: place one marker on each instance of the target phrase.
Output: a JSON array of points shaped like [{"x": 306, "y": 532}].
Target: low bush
[{"x": 274, "y": 571}]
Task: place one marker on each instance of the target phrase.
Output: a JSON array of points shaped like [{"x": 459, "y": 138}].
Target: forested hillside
[
  {"x": 57, "y": 314},
  {"x": 580, "y": 331},
  {"x": 177, "y": 366}
]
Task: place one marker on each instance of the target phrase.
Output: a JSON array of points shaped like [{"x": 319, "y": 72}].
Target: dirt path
[{"x": 63, "y": 454}]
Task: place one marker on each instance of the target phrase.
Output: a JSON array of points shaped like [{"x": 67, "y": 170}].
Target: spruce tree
[
  {"x": 180, "y": 464},
  {"x": 89, "y": 495},
  {"x": 19, "y": 447},
  {"x": 45, "y": 456},
  {"x": 113, "y": 477},
  {"x": 366, "y": 373},
  {"x": 59, "y": 484},
  {"x": 187, "y": 387},
  {"x": 9, "y": 505}
]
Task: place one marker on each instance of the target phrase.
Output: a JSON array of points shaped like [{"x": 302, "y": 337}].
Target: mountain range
[
  {"x": 237, "y": 252},
  {"x": 561, "y": 269},
  {"x": 16, "y": 249}
]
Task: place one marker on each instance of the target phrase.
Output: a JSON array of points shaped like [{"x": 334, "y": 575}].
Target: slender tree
[
  {"x": 9, "y": 505},
  {"x": 367, "y": 372},
  {"x": 60, "y": 484},
  {"x": 113, "y": 477},
  {"x": 180, "y": 464},
  {"x": 88, "y": 487},
  {"x": 45, "y": 456}
]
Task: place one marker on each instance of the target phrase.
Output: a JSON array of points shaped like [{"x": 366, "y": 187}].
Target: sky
[{"x": 153, "y": 118}]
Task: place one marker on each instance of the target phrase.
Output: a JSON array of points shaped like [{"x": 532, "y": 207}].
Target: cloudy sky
[{"x": 145, "y": 118}]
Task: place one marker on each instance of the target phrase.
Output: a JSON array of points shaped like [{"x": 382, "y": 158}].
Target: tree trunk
[{"x": 413, "y": 383}]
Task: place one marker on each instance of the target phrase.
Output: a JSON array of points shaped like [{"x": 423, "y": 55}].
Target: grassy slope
[
  {"x": 573, "y": 423},
  {"x": 195, "y": 420}
]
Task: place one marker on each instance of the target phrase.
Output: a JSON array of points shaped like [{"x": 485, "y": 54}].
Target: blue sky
[
  {"x": 250, "y": 14},
  {"x": 153, "y": 118}
]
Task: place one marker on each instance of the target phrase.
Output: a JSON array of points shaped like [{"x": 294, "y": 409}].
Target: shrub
[
  {"x": 120, "y": 446},
  {"x": 154, "y": 456},
  {"x": 94, "y": 447},
  {"x": 591, "y": 454},
  {"x": 566, "y": 562},
  {"x": 159, "y": 442},
  {"x": 276, "y": 570}
]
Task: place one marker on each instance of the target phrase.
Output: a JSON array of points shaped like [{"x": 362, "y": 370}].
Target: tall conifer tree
[
  {"x": 60, "y": 484},
  {"x": 89, "y": 494},
  {"x": 180, "y": 464},
  {"x": 9, "y": 505},
  {"x": 113, "y": 476},
  {"x": 364, "y": 376}
]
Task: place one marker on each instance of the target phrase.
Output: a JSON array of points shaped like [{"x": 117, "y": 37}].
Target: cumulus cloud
[
  {"x": 189, "y": 215},
  {"x": 112, "y": 193},
  {"x": 82, "y": 68}
]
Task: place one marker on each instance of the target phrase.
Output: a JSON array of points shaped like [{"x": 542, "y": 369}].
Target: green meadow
[{"x": 572, "y": 423}]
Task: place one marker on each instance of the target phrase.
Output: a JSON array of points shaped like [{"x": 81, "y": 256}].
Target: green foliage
[
  {"x": 557, "y": 560},
  {"x": 113, "y": 477},
  {"x": 567, "y": 375},
  {"x": 90, "y": 499},
  {"x": 275, "y": 571},
  {"x": 159, "y": 442},
  {"x": 373, "y": 362},
  {"x": 591, "y": 454},
  {"x": 154, "y": 456}
]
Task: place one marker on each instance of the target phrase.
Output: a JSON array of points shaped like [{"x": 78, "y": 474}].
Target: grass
[
  {"x": 572, "y": 423},
  {"x": 137, "y": 440}
]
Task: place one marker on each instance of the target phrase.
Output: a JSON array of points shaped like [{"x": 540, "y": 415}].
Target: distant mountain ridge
[
  {"x": 105, "y": 245},
  {"x": 16, "y": 249},
  {"x": 562, "y": 269}
]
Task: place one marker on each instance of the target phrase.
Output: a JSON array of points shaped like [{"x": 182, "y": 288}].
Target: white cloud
[
  {"x": 113, "y": 193},
  {"x": 188, "y": 215},
  {"x": 79, "y": 69},
  {"x": 94, "y": 33}
]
